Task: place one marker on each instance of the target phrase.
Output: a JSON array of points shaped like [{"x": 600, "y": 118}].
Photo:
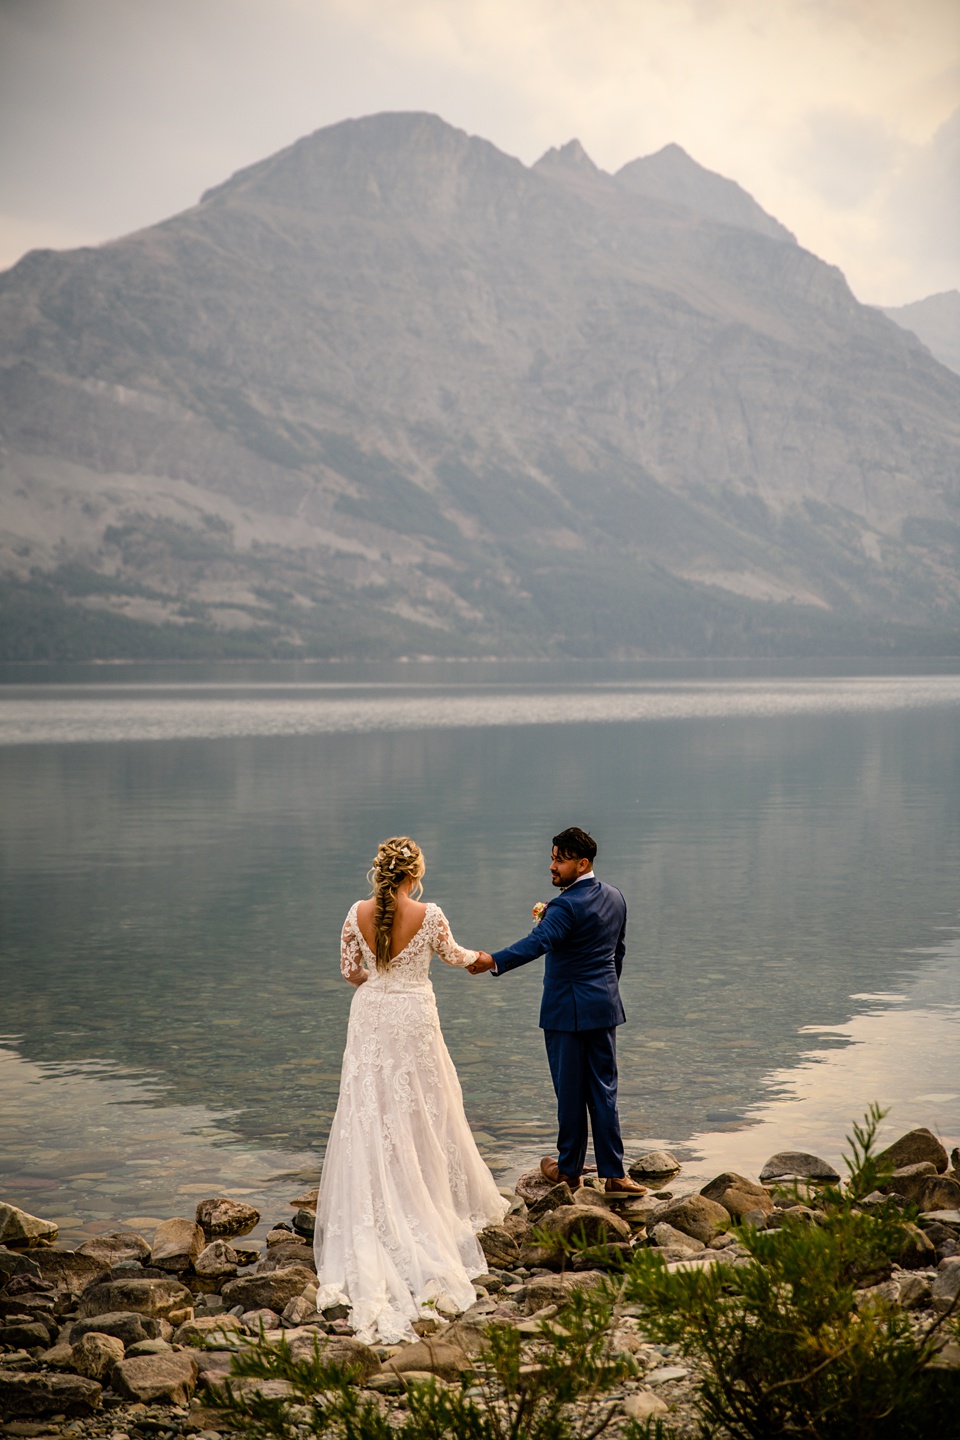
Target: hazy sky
[{"x": 841, "y": 117}]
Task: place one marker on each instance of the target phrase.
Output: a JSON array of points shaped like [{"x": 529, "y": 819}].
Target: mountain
[
  {"x": 392, "y": 391},
  {"x": 935, "y": 321}
]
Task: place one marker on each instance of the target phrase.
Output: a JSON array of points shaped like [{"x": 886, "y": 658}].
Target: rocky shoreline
[{"x": 111, "y": 1339}]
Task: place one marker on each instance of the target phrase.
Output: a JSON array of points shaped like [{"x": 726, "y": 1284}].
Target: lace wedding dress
[{"x": 404, "y": 1190}]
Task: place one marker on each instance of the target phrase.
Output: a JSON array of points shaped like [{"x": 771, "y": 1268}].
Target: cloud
[{"x": 115, "y": 113}]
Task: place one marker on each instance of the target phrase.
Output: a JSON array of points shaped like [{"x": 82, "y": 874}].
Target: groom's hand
[{"x": 483, "y": 962}]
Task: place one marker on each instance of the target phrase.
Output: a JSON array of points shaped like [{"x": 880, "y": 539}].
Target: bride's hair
[{"x": 397, "y": 859}]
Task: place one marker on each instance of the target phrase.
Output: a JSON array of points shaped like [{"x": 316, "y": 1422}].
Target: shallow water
[{"x": 176, "y": 859}]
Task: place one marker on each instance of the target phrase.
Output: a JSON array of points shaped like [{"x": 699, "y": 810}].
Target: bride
[{"x": 404, "y": 1190}]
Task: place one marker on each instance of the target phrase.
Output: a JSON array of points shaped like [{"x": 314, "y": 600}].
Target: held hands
[{"x": 483, "y": 962}]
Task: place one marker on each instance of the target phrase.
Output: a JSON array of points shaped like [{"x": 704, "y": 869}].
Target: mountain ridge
[{"x": 391, "y": 387}]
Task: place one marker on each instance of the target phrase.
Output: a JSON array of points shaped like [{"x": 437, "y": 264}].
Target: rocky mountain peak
[
  {"x": 672, "y": 175},
  {"x": 571, "y": 156}
]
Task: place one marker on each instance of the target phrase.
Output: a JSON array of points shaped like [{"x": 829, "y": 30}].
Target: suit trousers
[{"x": 583, "y": 1066}]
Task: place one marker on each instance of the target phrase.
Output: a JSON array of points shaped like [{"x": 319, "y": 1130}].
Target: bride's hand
[{"x": 483, "y": 962}]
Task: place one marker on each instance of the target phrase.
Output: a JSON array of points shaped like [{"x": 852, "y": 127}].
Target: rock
[
  {"x": 913, "y": 1149},
  {"x": 643, "y": 1405},
  {"x": 25, "y": 1334},
  {"x": 913, "y": 1291},
  {"x": 664, "y": 1234},
  {"x": 281, "y": 1257},
  {"x": 115, "y": 1248},
  {"x": 948, "y": 1218},
  {"x": 498, "y": 1246},
  {"x": 955, "y": 1160},
  {"x": 665, "y": 1373},
  {"x": 95, "y": 1355},
  {"x": 945, "y": 1290},
  {"x": 152, "y": 1297},
  {"x": 280, "y": 1235},
  {"x": 216, "y": 1260},
  {"x": 697, "y": 1216},
  {"x": 334, "y": 1349},
  {"x": 17, "y": 1227},
  {"x": 268, "y": 1292},
  {"x": 531, "y": 1185},
  {"x": 126, "y": 1325},
  {"x": 220, "y": 1216},
  {"x": 918, "y": 1250},
  {"x": 148, "y": 1347},
  {"x": 737, "y": 1194},
  {"x": 15, "y": 1262},
  {"x": 798, "y": 1162},
  {"x": 308, "y": 1200},
  {"x": 471, "y": 1339},
  {"x": 204, "y": 1328},
  {"x": 942, "y": 1192},
  {"x": 584, "y": 1222},
  {"x": 170, "y": 1377},
  {"x": 435, "y": 1357},
  {"x": 67, "y": 1270},
  {"x": 177, "y": 1244},
  {"x": 909, "y": 1180},
  {"x": 301, "y": 1311},
  {"x": 543, "y": 1290},
  {"x": 305, "y": 1222},
  {"x": 551, "y": 1199},
  {"x": 28, "y": 1395},
  {"x": 654, "y": 1165}
]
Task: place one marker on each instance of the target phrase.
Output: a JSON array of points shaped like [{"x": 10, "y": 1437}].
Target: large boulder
[
  {"x": 359, "y": 1358},
  {"x": 531, "y": 1185},
  {"x": 206, "y": 1328},
  {"x": 127, "y": 1325},
  {"x": 668, "y": 1237},
  {"x": 910, "y": 1180},
  {"x": 219, "y": 1216},
  {"x": 177, "y": 1244},
  {"x": 789, "y": 1163},
  {"x": 281, "y": 1257},
  {"x": 543, "y": 1290},
  {"x": 912, "y": 1149},
  {"x": 941, "y": 1192},
  {"x": 95, "y": 1355},
  {"x": 551, "y": 1199},
  {"x": 737, "y": 1194},
  {"x": 170, "y": 1378},
  {"x": 16, "y": 1262},
  {"x": 22, "y": 1333},
  {"x": 697, "y": 1216},
  {"x": 18, "y": 1227},
  {"x": 268, "y": 1292},
  {"x": 499, "y": 1247},
  {"x": 29, "y": 1396},
  {"x": 154, "y": 1297},
  {"x": 586, "y": 1223},
  {"x": 116, "y": 1248},
  {"x": 433, "y": 1357}
]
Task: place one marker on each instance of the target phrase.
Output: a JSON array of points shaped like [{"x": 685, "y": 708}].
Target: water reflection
[{"x": 171, "y": 908}]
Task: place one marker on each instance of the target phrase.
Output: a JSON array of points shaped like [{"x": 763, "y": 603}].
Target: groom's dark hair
[{"x": 575, "y": 844}]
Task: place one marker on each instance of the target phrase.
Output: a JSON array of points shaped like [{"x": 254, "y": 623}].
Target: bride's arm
[
  {"x": 446, "y": 947},
  {"x": 352, "y": 967}
]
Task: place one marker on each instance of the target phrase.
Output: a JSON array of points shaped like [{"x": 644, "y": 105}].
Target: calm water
[{"x": 178, "y": 849}]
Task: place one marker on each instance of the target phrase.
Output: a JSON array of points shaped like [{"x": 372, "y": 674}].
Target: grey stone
[
  {"x": 95, "y": 1354},
  {"x": 148, "y": 1347},
  {"x": 305, "y": 1222},
  {"x": 281, "y": 1257},
  {"x": 790, "y": 1163},
  {"x": 67, "y": 1270},
  {"x": 268, "y": 1292},
  {"x": 301, "y": 1311},
  {"x": 15, "y": 1262},
  {"x": 24, "y": 1395},
  {"x": 544, "y": 1290},
  {"x": 575, "y": 1222},
  {"x": 177, "y": 1244},
  {"x": 116, "y": 1248},
  {"x": 913, "y": 1148},
  {"x": 498, "y": 1246},
  {"x": 216, "y": 1260},
  {"x": 945, "y": 1290},
  {"x": 361, "y": 1359},
  {"x": 127, "y": 1325},
  {"x": 19, "y": 1227},
  {"x": 168, "y": 1378},
  {"x": 551, "y": 1199},
  {"x": 941, "y": 1192},
  {"x": 697, "y": 1216},
  {"x": 155, "y": 1298},
  {"x": 654, "y": 1165},
  {"x": 433, "y": 1357},
  {"x": 665, "y": 1373},
  {"x": 643, "y": 1405},
  {"x": 664, "y": 1234},
  {"x": 220, "y": 1216},
  {"x": 910, "y": 1180},
  {"x": 531, "y": 1185},
  {"x": 914, "y": 1291},
  {"x": 206, "y": 1328}
]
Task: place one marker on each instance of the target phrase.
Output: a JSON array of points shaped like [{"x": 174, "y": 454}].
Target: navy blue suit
[{"x": 582, "y": 936}]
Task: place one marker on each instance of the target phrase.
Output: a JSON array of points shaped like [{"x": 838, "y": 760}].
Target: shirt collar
[{"x": 589, "y": 876}]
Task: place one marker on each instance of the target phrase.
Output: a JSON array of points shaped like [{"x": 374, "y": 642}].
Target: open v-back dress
[{"x": 404, "y": 1190}]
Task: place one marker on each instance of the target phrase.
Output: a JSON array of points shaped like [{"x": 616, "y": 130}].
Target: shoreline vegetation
[{"x": 794, "y": 1304}]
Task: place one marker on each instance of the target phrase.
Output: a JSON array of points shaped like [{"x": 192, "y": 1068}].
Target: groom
[{"x": 582, "y": 935}]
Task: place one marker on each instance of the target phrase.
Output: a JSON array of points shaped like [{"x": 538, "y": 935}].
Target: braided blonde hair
[{"x": 397, "y": 859}]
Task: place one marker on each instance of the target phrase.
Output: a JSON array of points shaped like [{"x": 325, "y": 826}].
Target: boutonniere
[{"x": 539, "y": 910}]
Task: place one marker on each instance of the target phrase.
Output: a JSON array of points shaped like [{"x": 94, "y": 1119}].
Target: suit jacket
[{"x": 582, "y": 934}]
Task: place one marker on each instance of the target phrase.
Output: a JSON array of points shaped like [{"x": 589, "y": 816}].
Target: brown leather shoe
[
  {"x": 550, "y": 1170},
  {"x": 622, "y": 1185}
]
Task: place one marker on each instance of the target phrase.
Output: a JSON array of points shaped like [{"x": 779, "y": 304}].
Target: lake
[{"x": 179, "y": 845}]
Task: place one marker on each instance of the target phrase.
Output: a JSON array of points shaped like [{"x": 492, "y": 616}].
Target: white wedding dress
[{"x": 404, "y": 1189}]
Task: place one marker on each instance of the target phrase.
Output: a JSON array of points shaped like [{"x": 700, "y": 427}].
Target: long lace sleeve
[
  {"x": 445, "y": 946},
  {"x": 352, "y": 967}
]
